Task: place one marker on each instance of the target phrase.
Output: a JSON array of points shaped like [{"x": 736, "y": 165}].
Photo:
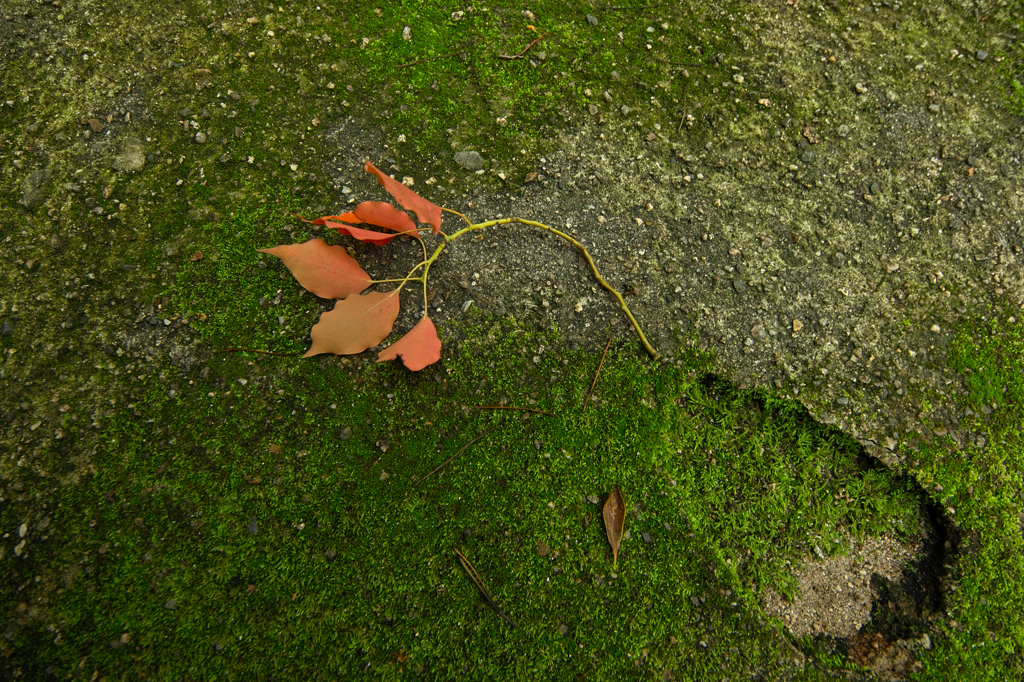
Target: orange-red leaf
[
  {"x": 378, "y": 238},
  {"x": 349, "y": 217},
  {"x": 419, "y": 347},
  {"x": 425, "y": 211},
  {"x": 383, "y": 214},
  {"x": 355, "y": 324},
  {"x": 327, "y": 271},
  {"x": 379, "y": 213}
]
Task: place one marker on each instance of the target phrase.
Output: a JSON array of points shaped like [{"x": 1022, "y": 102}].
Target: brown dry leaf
[
  {"x": 614, "y": 520},
  {"x": 198, "y": 255},
  {"x": 418, "y": 348},
  {"x": 425, "y": 211},
  {"x": 355, "y": 324},
  {"x": 327, "y": 271}
]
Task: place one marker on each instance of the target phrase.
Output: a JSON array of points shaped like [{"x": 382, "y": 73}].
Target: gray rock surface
[{"x": 470, "y": 160}]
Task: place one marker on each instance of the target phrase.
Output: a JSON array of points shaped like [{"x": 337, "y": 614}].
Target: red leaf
[
  {"x": 344, "y": 217},
  {"x": 379, "y": 213},
  {"x": 419, "y": 347},
  {"x": 425, "y": 211},
  {"x": 378, "y": 238},
  {"x": 355, "y": 324},
  {"x": 383, "y": 214},
  {"x": 327, "y": 271}
]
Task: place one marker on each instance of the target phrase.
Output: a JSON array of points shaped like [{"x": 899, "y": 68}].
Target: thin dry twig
[
  {"x": 475, "y": 577},
  {"x": 509, "y": 407},
  {"x": 251, "y": 350},
  {"x": 445, "y": 463},
  {"x": 525, "y": 50},
  {"x": 598, "y": 373}
]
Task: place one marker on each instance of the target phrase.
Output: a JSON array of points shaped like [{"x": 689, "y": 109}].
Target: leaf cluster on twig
[{"x": 361, "y": 321}]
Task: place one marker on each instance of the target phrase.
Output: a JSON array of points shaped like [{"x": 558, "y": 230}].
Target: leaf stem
[
  {"x": 572, "y": 240},
  {"x": 586, "y": 254},
  {"x": 399, "y": 279},
  {"x": 468, "y": 221},
  {"x": 597, "y": 275}
]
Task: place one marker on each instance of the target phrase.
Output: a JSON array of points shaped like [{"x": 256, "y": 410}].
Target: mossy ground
[
  {"x": 227, "y": 499},
  {"x": 267, "y": 518}
]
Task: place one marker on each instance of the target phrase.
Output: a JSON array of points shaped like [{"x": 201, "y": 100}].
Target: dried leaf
[
  {"x": 419, "y": 347},
  {"x": 425, "y": 211},
  {"x": 379, "y": 213},
  {"x": 355, "y": 324},
  {"x": 378, "y": 238},
  {"x": 327, "y": 271},
  {"x": 383, "y": 214},
  {"x": 614, "y": 520},
  {"x": 349, "y": 217}
]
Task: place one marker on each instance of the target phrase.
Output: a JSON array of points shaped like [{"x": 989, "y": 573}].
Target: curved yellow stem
[
  {"x": 601, "y": 280},
  {"x": 468, "y": 221},
  {"x": 470, "y": 226},
  {"x": 586, "y": 254}
]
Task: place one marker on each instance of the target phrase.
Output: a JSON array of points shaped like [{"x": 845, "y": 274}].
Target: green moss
[
  {"x": 729, "y": 485},
  {"x": 979, "y": 485},
  {"x": 287, "y": 524}
]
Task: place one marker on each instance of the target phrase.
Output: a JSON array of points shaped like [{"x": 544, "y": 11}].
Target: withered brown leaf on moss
[{"x": 614, "y": 520}]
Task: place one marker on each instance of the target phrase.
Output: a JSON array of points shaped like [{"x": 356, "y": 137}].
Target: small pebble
[{"x": 797, "y": 325}]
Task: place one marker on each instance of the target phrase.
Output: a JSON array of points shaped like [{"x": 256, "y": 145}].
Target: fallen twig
[
  {"x": 598, "y": 373},
  {"x": 251, "y": 350},
  {"x": 475, "y": 577},
  {"x": 447, "y": 461},
  {"x": 509, "y": 407},
  {"x": 525, "y": 50}
]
